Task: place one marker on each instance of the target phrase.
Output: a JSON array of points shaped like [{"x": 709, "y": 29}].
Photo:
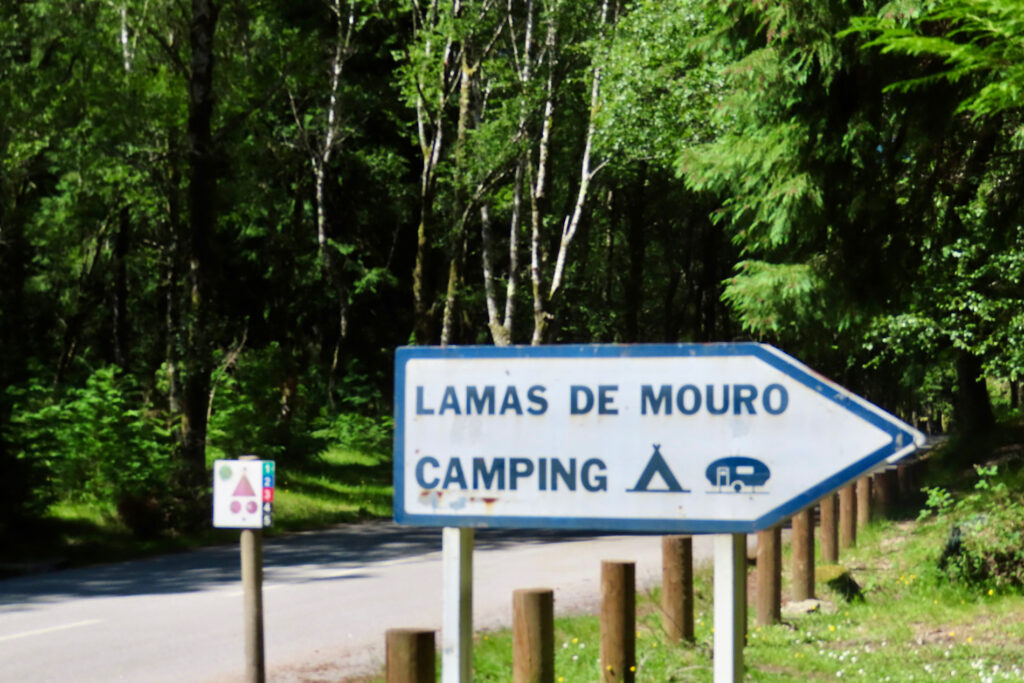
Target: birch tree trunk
[
  {"x": 501, "y": 326},
  {"x": 321, "y": 152},
  {"x": 537, "y": 177},
  {"x": 458, "y": 249},
  {"x": 430, "y": 132},
  {"x": 545, "y": 305}
]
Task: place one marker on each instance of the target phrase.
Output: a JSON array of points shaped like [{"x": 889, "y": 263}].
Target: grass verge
[
  {"x": 337, "y": 486},
  {"x": 913, "y": 624}
]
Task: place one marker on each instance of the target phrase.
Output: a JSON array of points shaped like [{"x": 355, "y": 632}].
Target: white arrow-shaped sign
[{"x": 715, "y": 438}]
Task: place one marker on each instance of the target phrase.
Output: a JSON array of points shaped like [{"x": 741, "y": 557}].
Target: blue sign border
[{"x": 902, "y": 435}]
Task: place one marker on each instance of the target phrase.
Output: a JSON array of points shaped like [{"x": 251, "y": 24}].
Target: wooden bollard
[
  {"x": 863, "y": 501},
  {"x": 677, "y": 587},
  {"x": 410, "y": 656},
  {"x": 251, "y": 543},
  {"x": 906, "y": 485},
  {"x": 533, "y": 642},
  {"x": 883, "y": 493},
  {"x": 618, "y": 621},
  {"x": 803, "y": 554},
  {"x": 829, "y": 529},
  {"x": 251, "y": 554},
  {"x": 892, "y": 488},
  {"x": 847, "y": 517},
  {"x": 769, "y": 576}
]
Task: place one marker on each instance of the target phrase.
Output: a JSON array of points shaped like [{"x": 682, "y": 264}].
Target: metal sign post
[
  {"x": 730, "y": 606},
  {"x": 726, "y": 439},
  {"x": 457, "y": 610}
]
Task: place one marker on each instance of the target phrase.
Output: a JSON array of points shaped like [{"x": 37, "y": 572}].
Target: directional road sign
[{"x": 692, "y": 438}]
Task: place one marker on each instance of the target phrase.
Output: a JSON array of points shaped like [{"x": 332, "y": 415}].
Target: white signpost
[{"x": 713, "y": 438}]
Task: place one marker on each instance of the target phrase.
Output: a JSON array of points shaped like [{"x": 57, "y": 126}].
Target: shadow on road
[{"x": 344, "y": 547}]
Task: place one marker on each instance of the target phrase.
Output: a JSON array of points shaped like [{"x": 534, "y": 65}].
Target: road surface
[{"x": 329, "y": 596}]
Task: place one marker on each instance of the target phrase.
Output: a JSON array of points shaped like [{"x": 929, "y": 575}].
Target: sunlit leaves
[
  {"x": 658, "y": 87},
  {"x": 777, "y": 299},
  {"x": 977, "y": 40}
]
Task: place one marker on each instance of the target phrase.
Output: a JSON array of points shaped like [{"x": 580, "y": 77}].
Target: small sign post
[
  {"x": 723, "y": 439},
  {"x": 243, "y": 498}
]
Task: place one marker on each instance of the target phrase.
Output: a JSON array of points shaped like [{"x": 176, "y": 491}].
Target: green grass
[
  {"x": 336, "y": 486},
  {"x": 73, "y": 534},
  {"x": 339, "y": 486},
  {"x": 912, "y": 626}
]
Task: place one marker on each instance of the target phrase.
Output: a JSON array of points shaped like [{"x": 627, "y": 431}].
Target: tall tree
[
  {"x": 966, "y": 51},
  {"x": 835, "y": 190},
  {"x": 197, "y": 344}
]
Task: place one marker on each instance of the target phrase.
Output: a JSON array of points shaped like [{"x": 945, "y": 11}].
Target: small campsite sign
[
  {"x": 243, "y": 493},
  {"x": 688, "y": 438}
]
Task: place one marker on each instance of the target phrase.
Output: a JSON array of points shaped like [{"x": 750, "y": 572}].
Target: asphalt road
[{"x": 329, "y": 597}]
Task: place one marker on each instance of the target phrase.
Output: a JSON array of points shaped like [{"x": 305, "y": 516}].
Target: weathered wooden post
[
  {"x": 882, "y": 493},
  {"x": 251, "y": 551},
  {"x": 906, "y": 484},
  {"x": 677, "y": 587},
  {"x": 847, "y": 517},
  {"x": 863, "y": 501},
  {"x": 618, "y": 621},
  {"x": 769, "y": 576},
  {"x": 251, "y": 544},
  {"x": 410, "y": 656},
  {"x": 803, "y": 554},
  {"x": 533, "y": 640},
  {"x": 829, "y": 529}
]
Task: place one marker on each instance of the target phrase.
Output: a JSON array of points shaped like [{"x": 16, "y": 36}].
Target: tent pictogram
[{"x": 657, "y": 466}]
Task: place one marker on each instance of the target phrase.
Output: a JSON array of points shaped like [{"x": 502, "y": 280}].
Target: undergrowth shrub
[
  {"x": 985, "y": 546},
  {"x": 260, "y": 406},
  {"x": 369, "y": 434},
  {"x": 98, "y": 442},
  {"x": 268, "y": 404}
]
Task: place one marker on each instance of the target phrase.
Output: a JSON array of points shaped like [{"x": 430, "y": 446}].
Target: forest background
[{"x": 219, "y": 218}]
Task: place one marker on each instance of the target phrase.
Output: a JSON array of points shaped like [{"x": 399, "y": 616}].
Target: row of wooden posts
[{"x": 411, "y": 652}]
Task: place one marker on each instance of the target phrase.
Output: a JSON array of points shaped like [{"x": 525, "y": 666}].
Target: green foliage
[
  {"x": 777, "y": 298},
  {"x": 98, "y": 442},
  {"x": 266, "y": 404},
  {"x": 794, "y": 166},
  {"x": 259, "y": 407},
  {"x": 658, "y": 90},
  {"x": 968, "y": 54},
  {"x": 860, "y": 205},
  {"x": 352, "y": 431},
  {"x": 977, "y": 41},
  {"x": 940, "y": 501},
  {"x": 985, "y": 548},
  {"x": 876, "y": 225}
]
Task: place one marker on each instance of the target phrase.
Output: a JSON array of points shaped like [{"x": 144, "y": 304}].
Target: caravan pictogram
[{"x": 737, "y": 474}]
